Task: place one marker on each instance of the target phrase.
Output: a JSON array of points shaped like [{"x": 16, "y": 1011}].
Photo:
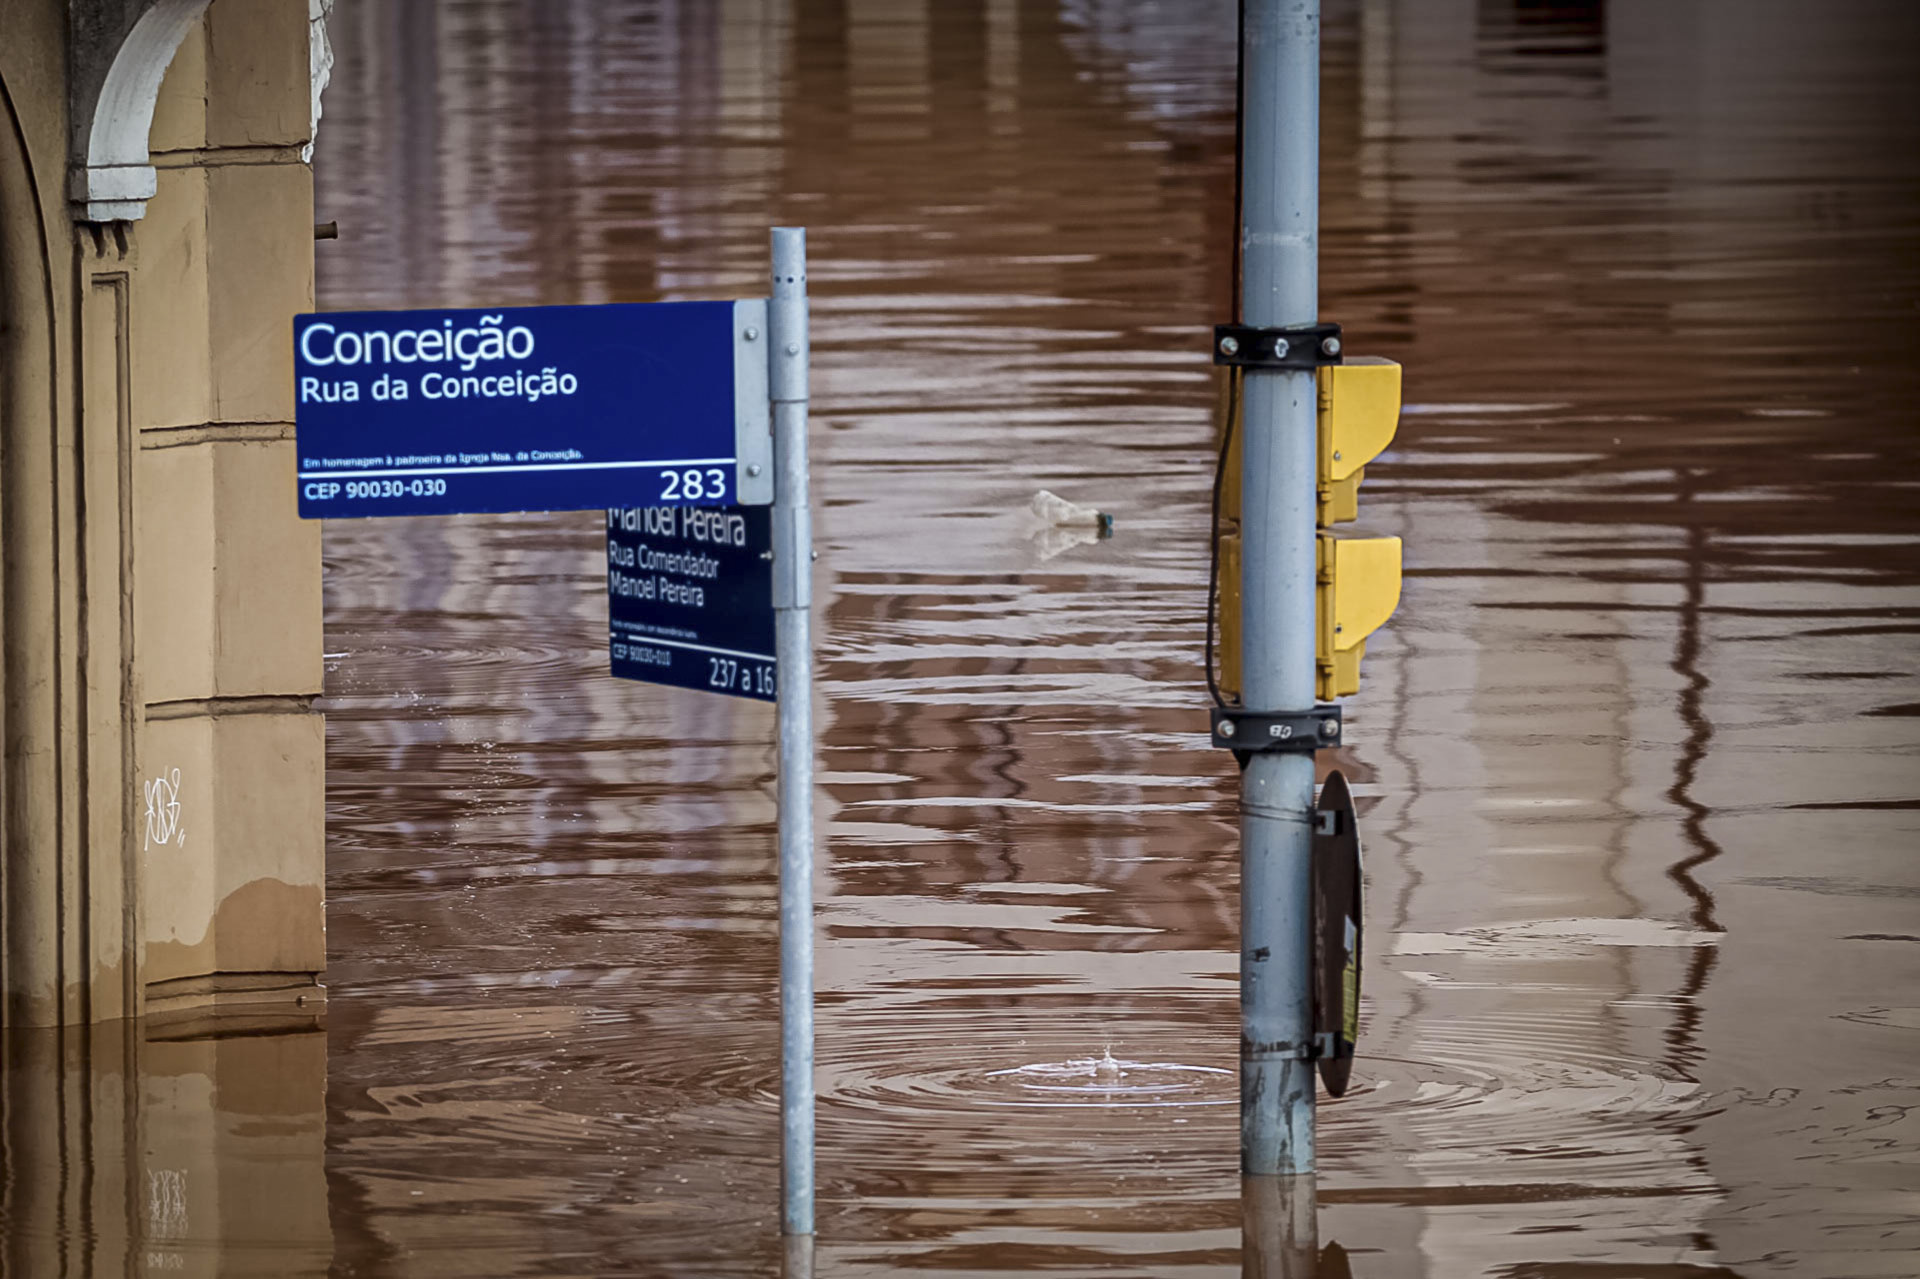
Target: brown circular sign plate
[{"x": 1337, "y": 922}]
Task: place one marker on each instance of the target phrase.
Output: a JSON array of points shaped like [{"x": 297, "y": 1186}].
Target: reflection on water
[
  {"x": 165, "y": 1150},
  {"x": 1636, "y": 756}
]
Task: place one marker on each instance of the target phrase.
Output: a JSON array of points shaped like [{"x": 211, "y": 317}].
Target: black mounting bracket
[
  {"x": 1326, "y": 1046},
  {"x": 1304, "y": 347},
  {"x": 1246, "y": 732}
]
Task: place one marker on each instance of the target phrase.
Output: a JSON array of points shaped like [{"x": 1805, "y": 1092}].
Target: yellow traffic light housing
[
  {"x": 1358, "y": 578},
  {"x": 1358, "y": 589},
  {"x": 1359, "y": 412}
]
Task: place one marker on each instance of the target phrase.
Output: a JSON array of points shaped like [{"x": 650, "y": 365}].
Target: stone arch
[{"x": 115, "y": 89}]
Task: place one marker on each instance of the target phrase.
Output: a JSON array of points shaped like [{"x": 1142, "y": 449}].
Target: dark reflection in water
[{"x": 1637, "y": 754}]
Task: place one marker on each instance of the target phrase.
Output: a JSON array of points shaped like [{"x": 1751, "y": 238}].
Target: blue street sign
[
  {"x": 547, "y": 408},
  {"x": 690, "y": 598}
]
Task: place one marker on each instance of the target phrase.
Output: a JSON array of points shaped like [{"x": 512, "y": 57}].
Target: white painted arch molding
[{"x": 118, "y": 52}]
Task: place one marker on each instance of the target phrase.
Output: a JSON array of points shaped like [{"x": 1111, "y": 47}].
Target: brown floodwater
[{"x": 1638, "y": 757}]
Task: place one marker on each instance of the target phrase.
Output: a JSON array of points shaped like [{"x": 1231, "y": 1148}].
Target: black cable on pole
[
  {"x": 1233, "y": 374},
  {"x": 1213, "y": 558}
]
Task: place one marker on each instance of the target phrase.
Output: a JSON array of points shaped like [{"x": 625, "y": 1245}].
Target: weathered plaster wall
[{"x": 164, "y": 782}]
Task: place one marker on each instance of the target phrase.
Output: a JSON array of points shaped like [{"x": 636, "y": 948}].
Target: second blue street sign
[
  {"x": 548, "y": 408},
  {"x": 690, "y": 598}
]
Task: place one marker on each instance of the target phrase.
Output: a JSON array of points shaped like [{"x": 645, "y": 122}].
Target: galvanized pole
[
  {"x": 1279, "y": 273},
  {"x": 793, "y": 647}
]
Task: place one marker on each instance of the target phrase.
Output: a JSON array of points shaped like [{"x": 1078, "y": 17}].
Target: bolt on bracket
[{"x": 1303, "y": 347}]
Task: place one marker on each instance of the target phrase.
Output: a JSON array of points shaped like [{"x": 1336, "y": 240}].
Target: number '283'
[{"x": 695, "y": 484}]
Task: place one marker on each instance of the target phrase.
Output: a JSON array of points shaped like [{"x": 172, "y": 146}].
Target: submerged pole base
[
  {"x": 1276, "y": 1116},
  {"x": 1279, "y": 1228}
]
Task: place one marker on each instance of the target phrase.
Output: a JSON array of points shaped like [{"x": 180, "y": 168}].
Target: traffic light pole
[{"x": 1279, "y": 263}]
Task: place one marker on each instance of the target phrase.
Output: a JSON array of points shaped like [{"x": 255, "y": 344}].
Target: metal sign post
[
  {"x": 793, "y": 644},
  {"x": 1279, "y": 287}
]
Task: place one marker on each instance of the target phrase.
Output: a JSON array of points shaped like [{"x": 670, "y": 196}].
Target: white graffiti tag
[
  {"x": 163, "y": 811},
  {"x": 166, "y": 1203}
]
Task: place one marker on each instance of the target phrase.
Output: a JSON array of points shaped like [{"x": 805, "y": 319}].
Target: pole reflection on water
[
  {"x": 1279, "y": 1229},
  {"x": 1635, "y": 756},
  {"x": 796, "y": 1262}
]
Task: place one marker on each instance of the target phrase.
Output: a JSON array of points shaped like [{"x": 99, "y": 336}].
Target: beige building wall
[{"x": 163, "y": 790}]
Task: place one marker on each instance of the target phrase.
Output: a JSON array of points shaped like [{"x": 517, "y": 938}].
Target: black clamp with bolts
[
  {"x": 1246, "y": 732},
  {"x": 1302, "y": 347}
]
